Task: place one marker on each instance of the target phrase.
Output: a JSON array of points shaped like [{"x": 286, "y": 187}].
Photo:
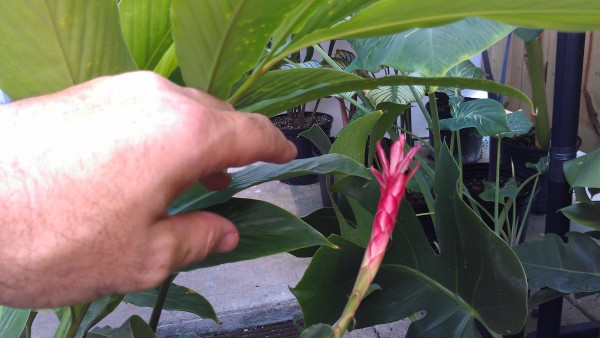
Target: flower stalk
[{"x": 392, "y": 179}]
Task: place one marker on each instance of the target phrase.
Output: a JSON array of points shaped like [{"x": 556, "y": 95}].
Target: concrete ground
[{"x": 252, "y": 293}]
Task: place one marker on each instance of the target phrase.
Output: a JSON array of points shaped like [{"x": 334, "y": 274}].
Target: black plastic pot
[
  {"x": 479, "y": 172},
  {"x": 519, "y": 155},
  {"x": 470, "y": 139},
  {"x": 305, "y": 148}
]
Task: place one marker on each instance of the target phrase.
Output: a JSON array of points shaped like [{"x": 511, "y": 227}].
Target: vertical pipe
[{"x": 565, "y": 120}]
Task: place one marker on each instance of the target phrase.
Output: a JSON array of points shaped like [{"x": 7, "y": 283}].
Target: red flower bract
[{"x": 392, "y": 182}]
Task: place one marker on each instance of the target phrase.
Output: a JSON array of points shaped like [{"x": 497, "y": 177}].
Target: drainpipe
[{"x": 565, "y": 119}]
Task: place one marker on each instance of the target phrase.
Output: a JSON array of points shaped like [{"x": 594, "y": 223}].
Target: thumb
[{"x": 198, "y": 234}]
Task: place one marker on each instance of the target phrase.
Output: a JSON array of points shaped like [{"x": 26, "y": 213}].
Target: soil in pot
[
  {"x": 470, "y": 139},
  {"x": 305, "y": 148}
]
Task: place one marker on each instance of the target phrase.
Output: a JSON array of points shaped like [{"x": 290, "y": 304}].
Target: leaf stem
[
  {"x": 77, "y": 314},
  {"x": 159, "y": 304},
  {"x": 435, "y": 121},
  {"x": 497, "y": 226}
]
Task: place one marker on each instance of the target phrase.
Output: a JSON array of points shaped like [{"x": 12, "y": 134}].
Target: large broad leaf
[
  {"x": 219, "y": 40},
  {"x": 97, "y": 311},
  {"x": 134, "y": 327},
  {"x": 49, "y": 45},
  {"x": 264, "y": 229},
  {"x": 486, "y": 115},
  {"x": 395, "y": 94},
  {"x": 146, "y": 25},
  {"x": 179, "y": 298},
  {"x": 570, "y": 267},
  {"x": 352, "y": 140},
  {"x": 584, "y": 213},
  {"x": 278, "y": 90},
  {"x": 431, "y": 51},
  {"x": 584, "y": 171},
  {"x": 475, "y": 276},
  {"x": 12, "y": 321},
  {"x": 197, "y": 197},
  {"x": 391, "y": 16},
  {"x": 518, "y": 124}
]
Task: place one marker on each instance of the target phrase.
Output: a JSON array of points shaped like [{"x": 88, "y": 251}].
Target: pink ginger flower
[{"x": 392, "y": 181}]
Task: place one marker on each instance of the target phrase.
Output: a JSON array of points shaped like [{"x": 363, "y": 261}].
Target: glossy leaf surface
[
  {"x": 134, "y": 327},
  {"x": 485, "y": 115},
  {"x": 218, "y": 41},
  {"x": 584, "y": 213},
  {"x": 570, "y": 267},
  {"x": 99, "y": 309},
  {"x": 518, "y": 124},
  {"x": 278, "y": 90},
  {"x": 179, "y": 298},
  {"x": 12, "y": 321},
  {"x": 49, "y": 45},
  {"x": 430, "y": 51},
  {"x": 391, "y": 16},
  {"x": 197, "y": 197},
  {"x": 146, "y": 26},
  {"x": 264, "y": 229},
  {"x": 584, "y": 171},
  {"x": 476, "y": 274}
]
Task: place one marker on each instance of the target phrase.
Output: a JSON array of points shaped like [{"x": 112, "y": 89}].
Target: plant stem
[
  {"x": 363, "y": 282},
  {"x": 535, "y": 62},
  {"x": 435, "y": 122},
  {"x": 497, "y": 226},
  {"x": 421, "y": 105},
  {"x": 460, "y": 162},
  {"x": 334, "y": 65},
  {"x": 163, "y": 291},
  {"x": 29, "y": 324},
  {"x": 77, "y": 314}
]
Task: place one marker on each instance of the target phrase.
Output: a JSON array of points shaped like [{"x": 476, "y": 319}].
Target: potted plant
[{"x": 448, "y": 282}]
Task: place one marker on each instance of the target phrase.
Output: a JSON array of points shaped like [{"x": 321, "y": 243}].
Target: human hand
[{"x": 86, "y": 176}]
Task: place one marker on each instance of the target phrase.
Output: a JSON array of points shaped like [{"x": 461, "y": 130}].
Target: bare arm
[{"x": 86, "y": 176}]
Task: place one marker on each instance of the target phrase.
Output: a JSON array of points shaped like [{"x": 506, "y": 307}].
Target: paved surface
[{"x": 253, "y": 293}]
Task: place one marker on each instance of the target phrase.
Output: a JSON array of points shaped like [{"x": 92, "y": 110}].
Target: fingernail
[{"x": 228, "y": 243}]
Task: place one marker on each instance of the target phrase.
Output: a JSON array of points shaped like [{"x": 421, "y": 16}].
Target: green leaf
[
  {"x": 466, "y": 69},
  {"x": 325, "y": 222},
  {"x": 510, "y": 190},
  {"x": 391, "y": 16},
  {"x": 570, "y": 267},
  {"x": 264, "y": 229},
  {"x": 430, "y": 51},
  {"x": 584, "y": 213},
  {"x": 528, "y": 34},
  {"x": 584, "y": 171},
  {"x": 217, "y": 41},
  {"x": 318, "y": 137},
  {"x": 278, "y": 90},
  {"x": 12, "y": 321},
  {"x": 317, "y": 331},
  {"x": 146, "y": 26},
  {"x": 97, "y": 311},
  {"x": 352, "y": 139},
  {"x": 197, "y": 197},
  {"x": 49, "y": 45},
  {"x": 518, "y": 124},
  {"x": 395, "y": 94},
  {"x": 134, "y": 327},
  {"x": 179, "y": 298},
  {"x": 475, "y": 276},
  {"x": 486, "y": 115}
]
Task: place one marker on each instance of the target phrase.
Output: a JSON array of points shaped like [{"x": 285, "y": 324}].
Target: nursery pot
[
  {"x": 473, "y": 176},
  {"x": 519, "y": 154},
  {"x": 469, "y": 137},
  {"x": 305, "y": 147}
]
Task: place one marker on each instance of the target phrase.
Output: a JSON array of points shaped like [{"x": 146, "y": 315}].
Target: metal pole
[{"x": 565, "y": 120}]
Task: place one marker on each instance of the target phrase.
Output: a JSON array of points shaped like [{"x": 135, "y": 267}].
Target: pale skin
[{"x": 86, "y": 176}]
